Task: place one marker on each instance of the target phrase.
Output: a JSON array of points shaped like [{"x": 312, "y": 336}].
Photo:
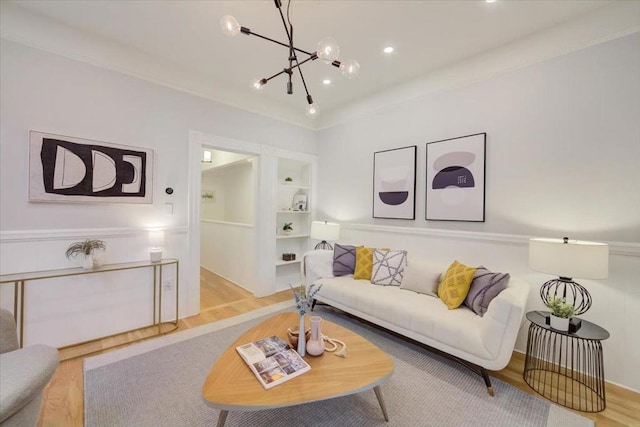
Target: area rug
[{"x": 158, "y": 383}]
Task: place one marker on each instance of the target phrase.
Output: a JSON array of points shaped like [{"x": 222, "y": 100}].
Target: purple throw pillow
[
  {"x": 485, "y": 286},
  {"x": 344, "y": 259}
]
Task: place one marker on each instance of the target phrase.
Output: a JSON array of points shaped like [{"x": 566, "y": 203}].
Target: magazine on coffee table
[{"x": 272, "y": 361}]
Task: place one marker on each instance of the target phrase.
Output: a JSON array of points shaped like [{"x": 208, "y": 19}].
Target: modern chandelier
[{"x": 327, "y": 50}]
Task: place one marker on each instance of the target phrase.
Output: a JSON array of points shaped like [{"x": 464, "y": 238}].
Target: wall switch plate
[{"x": 168, "y": 209}]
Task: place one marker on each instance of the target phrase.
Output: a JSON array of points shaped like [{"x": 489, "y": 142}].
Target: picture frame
[
  {"x": 394, "y": 183},
  {"x": 455, "y": 179},
  {"x": 76, "y": 170}
]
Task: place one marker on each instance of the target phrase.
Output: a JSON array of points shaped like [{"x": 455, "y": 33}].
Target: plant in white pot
[
  {"x": 287, "y": 228},
  {"x": 87, "y": 248},
  {"x": 561, "y": 313}
]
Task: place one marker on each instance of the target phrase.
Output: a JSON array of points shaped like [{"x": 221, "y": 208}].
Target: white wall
[
  {"x": 563, "y": 143},
  {"x": 234, "y": 190},
  {"x": 50, "y": 93}
]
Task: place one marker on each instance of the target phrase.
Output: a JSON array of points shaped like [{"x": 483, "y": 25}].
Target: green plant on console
[
  {"x": 559, "y": 307},
  {"x": 287, "y": 226},
  {"x": 85, "y": 247}
]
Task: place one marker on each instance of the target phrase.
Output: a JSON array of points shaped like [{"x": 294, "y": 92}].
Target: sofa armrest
[
  {"x": 315, "y": 265},
  {"x": 24, "y": 375},
  {"x": 503, "y": 319}
]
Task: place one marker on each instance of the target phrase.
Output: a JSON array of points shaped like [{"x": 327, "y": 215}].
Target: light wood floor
[{"x": 219, "y": 299}]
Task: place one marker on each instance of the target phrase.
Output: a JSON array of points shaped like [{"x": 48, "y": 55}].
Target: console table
[
  {"x": 566, "y": 367},
  {"x": 20, "y": 281}
]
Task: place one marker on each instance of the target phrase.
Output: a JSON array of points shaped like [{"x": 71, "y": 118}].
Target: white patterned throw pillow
[{"x": 388, "y": 267}]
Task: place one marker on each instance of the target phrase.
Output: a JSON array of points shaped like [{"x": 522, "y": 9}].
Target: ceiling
[{"x": 427, "y": 35}]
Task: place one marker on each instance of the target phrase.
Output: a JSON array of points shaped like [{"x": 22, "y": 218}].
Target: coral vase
[
  {"x": 301, "y": 342},
  {"x": 315, "y": 345}
]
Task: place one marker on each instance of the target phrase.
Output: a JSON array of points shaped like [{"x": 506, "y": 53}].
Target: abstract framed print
[
  {"x": 394, "y": 183},
  {"x": 67, "y": 169},
  {"x": 455, "y": 179}
]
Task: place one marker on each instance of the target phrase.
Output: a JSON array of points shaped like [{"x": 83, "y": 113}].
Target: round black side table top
[{"x": 588, "y": 330}]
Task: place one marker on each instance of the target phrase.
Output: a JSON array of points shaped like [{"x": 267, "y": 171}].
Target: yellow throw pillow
[
  {"x": 456, "y": 283},
  {"x": 364, "y": 263}
]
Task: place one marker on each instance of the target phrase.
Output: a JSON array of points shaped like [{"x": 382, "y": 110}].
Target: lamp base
[
  {"x": 155, "y": 255},
  {"x": 324, "y": 245},
  {"x": 578, "y": 296}
]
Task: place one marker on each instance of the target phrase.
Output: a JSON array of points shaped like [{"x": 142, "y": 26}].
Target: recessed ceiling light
[
  {"x": 388, "y": 49},
  {"x": 490, "y": 1},
  {"x": 326, "y": 82}
]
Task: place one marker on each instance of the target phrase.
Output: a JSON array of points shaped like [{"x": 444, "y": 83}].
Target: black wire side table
[{"x": 566, "y": 368}]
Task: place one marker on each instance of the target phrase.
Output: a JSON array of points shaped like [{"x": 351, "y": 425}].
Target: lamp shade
[
  {"x": 569, "y": 258},
  {"x": 325, "y": 230},
  {"x": 156, "y": 238}
]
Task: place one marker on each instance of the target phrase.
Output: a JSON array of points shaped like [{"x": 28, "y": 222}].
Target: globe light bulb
[
  {"x": 350, "y": 68},
  {"x": 257, "y": 85},
  {"x": 230, "y": 26},
  {"x": 313, "y": 111},
  {"x": 328, "y": 49}
]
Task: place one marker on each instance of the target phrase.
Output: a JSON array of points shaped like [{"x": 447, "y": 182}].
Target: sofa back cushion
[
  {"x": 388, "y": 267},
  {"x": 422, "y": 278},
  {"x": 344, "y": 259},
  {"x": 455, "y": 286},
  {"x": 485, "y": 286}
]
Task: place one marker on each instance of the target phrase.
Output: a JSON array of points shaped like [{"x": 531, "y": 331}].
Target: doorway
[{"x": 227, "y": 226}]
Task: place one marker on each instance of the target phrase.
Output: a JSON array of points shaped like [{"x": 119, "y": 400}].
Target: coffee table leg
[
  {"x": 222, "y": 418},
  {"x": 381, "y": 402}
]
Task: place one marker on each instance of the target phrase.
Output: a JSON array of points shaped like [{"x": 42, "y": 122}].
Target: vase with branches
[{"x": 304, "y": 301}]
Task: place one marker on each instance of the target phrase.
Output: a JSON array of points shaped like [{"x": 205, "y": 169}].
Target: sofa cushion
[
  {"x": 344, "y": 259},
  {"x": 455, "y": 286},
  {"x": 388, "y": 267},
  {"x": 485, "y": 286},
  {"x": 364, "y": 263},
  {"x": 422, "y": 278}
]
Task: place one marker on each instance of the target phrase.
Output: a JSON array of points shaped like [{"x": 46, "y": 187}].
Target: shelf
[
  {"x": 281, "y": 262},
  {"x": 293, "y": 212},
  {"x": 297, "y": 187},
  {"x": 291, "y": 236}
]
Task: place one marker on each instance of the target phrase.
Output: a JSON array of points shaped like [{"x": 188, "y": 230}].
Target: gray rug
[{"x": 143, "y": 386}]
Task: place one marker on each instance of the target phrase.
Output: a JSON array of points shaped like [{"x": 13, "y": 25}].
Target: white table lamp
[
  {"x": 568, "y": 259},
  {"x": 156, "y": 241},
  {"x": 323, "y": 230}
]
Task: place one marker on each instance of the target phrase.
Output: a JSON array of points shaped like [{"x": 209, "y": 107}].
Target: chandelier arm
[
  {"x": 286, "y": 70},
  {"x": 251, "y": 33}
]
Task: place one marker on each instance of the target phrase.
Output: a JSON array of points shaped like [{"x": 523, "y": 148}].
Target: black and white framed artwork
[
  {"x": 394, "y": 183},
  {"x": 455, "y": 179},
  {"x": 67, "y": 169}
]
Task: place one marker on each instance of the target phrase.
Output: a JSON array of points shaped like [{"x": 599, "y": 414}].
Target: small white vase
[
  {"x": 87, "y": 262},
  {"x": 301, "y": 338},
  {"x": 559, "y": 323}
]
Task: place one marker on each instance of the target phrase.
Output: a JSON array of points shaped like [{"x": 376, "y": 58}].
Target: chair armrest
[{"x": 24, "y": 374}]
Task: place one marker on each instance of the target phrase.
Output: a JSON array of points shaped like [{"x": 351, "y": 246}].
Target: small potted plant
[
  {"x": 287, "y": 228},
  {"x": 288, "y": 180},
  {"x": 87, "y": 248},
  {"x": 561, "y": 312}
]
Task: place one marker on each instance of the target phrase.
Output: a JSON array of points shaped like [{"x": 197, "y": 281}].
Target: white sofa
[{"x": 480, "y": 343}]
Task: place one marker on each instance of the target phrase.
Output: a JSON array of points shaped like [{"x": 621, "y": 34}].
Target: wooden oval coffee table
[{"x": 231, "y": 386}]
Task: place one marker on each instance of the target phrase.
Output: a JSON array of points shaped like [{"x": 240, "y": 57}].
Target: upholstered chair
[{"x": 24, "y": 373}]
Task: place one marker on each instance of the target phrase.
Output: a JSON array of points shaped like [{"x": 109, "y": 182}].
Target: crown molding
[{"x": 606, "y": 23}]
